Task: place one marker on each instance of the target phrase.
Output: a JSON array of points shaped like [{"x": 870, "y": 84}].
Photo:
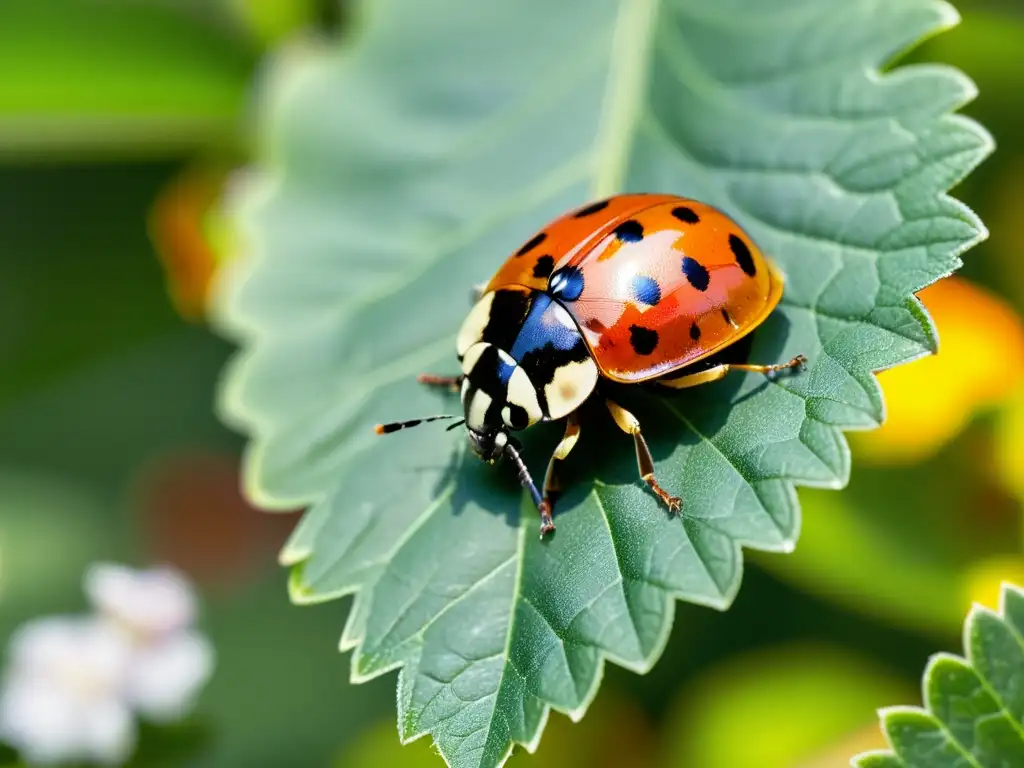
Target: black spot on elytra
[
  {"x": 686, "y": 215},
  {"x": 534, "y": 241},
  {"x": 696, "y": 274},
  {"x": 590, "y": 209},
  {"x": 743, "y": 255},
  {"x": 695, "y": 332},
  {"x": 517, "y": 416},
  {"x": 643, "y": 340},
  {"x": 629, "y": 231},
  {"x": 544, "y": 266}
]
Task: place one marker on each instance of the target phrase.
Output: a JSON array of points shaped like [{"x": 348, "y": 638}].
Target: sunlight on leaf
[
  {"x": 974, "y": 706},
  {"x": 364, "y": 227},
  {"x": 980, "y": 362}
]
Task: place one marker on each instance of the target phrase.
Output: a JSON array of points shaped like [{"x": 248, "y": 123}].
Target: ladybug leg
[
  {"x": 451, "y": 383},
  {"x": 543, "y": 506},
  {"x": 799, "y": 363},
  {"x": 628, "y": 423},
  {"x": 718, "y": 371},
  {"x": 551, "y": 484}
]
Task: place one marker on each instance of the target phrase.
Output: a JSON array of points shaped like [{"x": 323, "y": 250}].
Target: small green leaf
[
  {"x": 973, "y": 717},
  {"x": 996, "y": 651},
  {"x": 920, "y": 740},
  {"x": 400, "y": 169}
]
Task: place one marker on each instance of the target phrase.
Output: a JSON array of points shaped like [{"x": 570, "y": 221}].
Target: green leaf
[
  {"x": 400, "y": 170},
  {"x": 974, "y": 714},
  {"x": 90, "y": 76}
]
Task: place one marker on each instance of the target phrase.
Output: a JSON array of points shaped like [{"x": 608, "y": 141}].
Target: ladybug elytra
[{"x": 636, "y": 288}]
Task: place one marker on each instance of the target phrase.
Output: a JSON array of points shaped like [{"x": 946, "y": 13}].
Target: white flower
[
  {"x": 62, "y": 695},
  {"x": 156, "y": 602},
  {"x": 73, "y": 686},
  {"x": 155, "y": 608}
]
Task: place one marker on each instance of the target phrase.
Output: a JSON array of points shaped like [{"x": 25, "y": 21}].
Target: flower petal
[
  {"x": 71, "y": 650},
  {"x": 50, "y": 722},
  {"x": 108, "y": 731},
  {"x": 153, "y": 602},
  {"x": 165, "y": 677}
]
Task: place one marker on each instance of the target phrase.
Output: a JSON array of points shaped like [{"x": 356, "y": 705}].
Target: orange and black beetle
[{"x": 636, "y": 288}]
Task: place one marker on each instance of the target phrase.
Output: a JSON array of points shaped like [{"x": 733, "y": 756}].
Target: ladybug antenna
[{"x": 394, "y": 426}]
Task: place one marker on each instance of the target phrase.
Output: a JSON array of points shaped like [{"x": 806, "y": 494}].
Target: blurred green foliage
[
  {"x": 102, "y": 382},
  {"x": 117, "y": 78}
]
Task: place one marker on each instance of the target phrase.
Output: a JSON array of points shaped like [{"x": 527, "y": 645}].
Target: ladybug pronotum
[{"x": 636, "y": 288}]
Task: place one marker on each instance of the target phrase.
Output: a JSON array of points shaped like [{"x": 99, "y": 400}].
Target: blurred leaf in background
[
  {"x": 37, "y": 509},
  {"x": 846, "y": 556},
  {"x": 92, "y": 78}
]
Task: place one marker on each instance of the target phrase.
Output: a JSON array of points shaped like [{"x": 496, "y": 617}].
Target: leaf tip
[
  {"x": 979, "y": 612},
  {"x": 864, "y": 759},
  {"x": 1008, "y": 591},
  {"x": 947, "y": 16},
  {"x": 298, "y": 591},
  {"x": 292, "y": 555},
  {"x": 890, "y": 714},
  {"x": 364, "y": 669}
]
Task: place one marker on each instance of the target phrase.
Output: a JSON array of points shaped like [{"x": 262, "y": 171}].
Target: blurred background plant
[{"x": 120, "y": 123}]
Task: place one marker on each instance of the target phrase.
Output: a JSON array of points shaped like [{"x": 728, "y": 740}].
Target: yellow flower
[{"x": 929, "y": 401}]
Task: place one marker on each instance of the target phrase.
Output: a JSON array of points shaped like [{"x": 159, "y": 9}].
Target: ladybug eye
[
  {"x": 515, "y": 416},
  {"x": 566, "y": 283}
]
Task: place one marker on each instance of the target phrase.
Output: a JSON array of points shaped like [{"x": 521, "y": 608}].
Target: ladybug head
[{"x": 497, "y": 397}]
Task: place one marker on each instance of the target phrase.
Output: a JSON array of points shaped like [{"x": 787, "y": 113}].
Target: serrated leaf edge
[
  {"x": 232, "y": 411},
  {"x": 884, "y": 713}
]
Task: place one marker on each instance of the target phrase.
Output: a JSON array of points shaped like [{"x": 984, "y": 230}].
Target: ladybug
[{"x": 633, "y": 289}]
